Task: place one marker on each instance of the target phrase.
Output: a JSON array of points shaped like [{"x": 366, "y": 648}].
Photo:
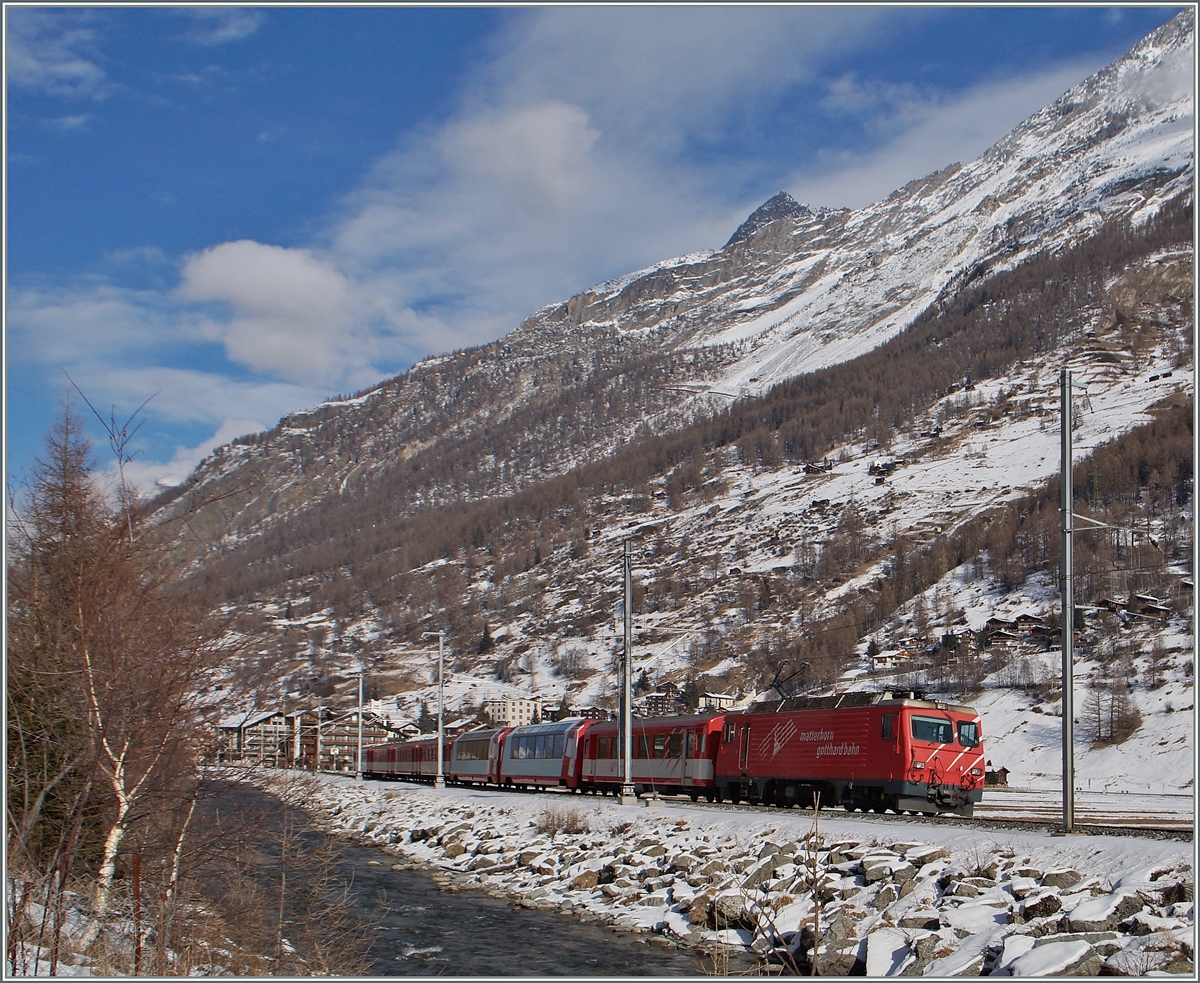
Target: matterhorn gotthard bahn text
[{"x": 833, "y": 444}]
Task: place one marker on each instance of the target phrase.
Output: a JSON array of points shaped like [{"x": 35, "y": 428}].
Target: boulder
[
  {"x": 1075, "y": 958},
  {"x": 1061, "y": 877},
  {"x": 1024, "y": 887},
  {"x": 980, "y": 882},
  {"x": 887, "y": 894},
  {"x": 1041, "y": 906},
  {"x": 877, "y": 869},
  {"x": 729, "y": 911},
  {"x": 698, "y": 913},
  {"x": 924, "y": 918},
  {"x": 925, "y": 853},
  {"x": 1103, "y": 914},
  {"x": 586, "y": 881},
  {"x": 759, "y": 873}
]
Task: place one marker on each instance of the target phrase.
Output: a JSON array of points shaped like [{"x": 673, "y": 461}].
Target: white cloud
[
  {"x": 67, "y": 123},
  {"x": 53, "y": 52},
  {"x": 537, "y": 153},
  {"x": 220, "y": 25},
  {"x": 940, "y": 131},
  {"x": 652, "y": 76},
  {"x": 293, "y": 314}
]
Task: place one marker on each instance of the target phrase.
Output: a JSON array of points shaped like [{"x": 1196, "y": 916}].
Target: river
[{"x": 415, "y": 929}]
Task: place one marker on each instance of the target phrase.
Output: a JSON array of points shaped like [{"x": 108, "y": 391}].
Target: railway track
[{"x": 1019, "y": 810}]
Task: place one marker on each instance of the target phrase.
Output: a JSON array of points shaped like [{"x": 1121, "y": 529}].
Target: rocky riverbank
[{"x": 884, "y": 903}]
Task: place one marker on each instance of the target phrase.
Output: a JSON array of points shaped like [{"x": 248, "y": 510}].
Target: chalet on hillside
[
  {"x": 290, "y": 740},
  {"x": 889, "y": 660},
  {"x": 589, "y": 713}
]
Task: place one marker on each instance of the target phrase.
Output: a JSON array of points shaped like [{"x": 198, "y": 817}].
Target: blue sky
[{"x": 244, "y": 211}]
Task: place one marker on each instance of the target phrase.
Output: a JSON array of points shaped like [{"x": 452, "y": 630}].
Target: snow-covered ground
[{"x": 892, "y": 897}]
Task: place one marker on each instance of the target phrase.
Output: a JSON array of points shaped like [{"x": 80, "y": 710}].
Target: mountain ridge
[{"x": 803, "y": 290}]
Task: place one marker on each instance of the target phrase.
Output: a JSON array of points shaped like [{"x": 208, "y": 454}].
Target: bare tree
[{"x": 107, "y": 664}]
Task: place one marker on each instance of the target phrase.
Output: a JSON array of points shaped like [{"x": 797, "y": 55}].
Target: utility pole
[
  {"x": 358, "y": 760},
  {"x": 440, "y": 780},
  {"x": 317, "y": 760},
  {"x": 628, "y": 792},
  {"x": 1068, "y": 611}
]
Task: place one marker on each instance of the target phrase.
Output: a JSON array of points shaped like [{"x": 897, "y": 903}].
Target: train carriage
[
  {"x": 542, "y": 755},
  {"x": 671, "y": 755},
  {"x": 475, "y": 757},
  {"x": 416, "y": 759},
  {"x": 379, "y": 760},
  {"x": 903, "y": 754}
]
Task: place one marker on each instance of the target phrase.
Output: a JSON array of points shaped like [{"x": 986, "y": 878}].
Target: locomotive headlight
[
  {"x": 976, "y": 772},
  {"x": 918, "y": 764}
]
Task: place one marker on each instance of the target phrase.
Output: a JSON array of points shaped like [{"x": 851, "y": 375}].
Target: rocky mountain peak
[{"x": 780, "y": 206}]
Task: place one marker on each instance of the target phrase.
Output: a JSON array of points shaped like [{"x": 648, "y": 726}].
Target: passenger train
[{"x": 860, "y": 751}]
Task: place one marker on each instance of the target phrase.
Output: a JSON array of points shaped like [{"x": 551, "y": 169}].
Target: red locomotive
[
  {"x": 860, "y": 751},
  {"x": 903, "y": 754}
]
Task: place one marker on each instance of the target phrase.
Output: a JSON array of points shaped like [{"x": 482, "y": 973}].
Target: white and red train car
[
  {"x": 671, "y": 756},
  {"x": 881, "y": 752}
]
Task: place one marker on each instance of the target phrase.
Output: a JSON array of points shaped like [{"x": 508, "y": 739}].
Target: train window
[
  {"x": 559, "y": 741},
  {"x": 660, "y": 745},
  {"x": 691, "y": 744},
  {"x": 934, "y": 730},
  {"x": 675, "y": 746},
  {"x": 730, "y": 732},
  {"x": 475, "y": 750},
  {"x": 643, "y": 747},
  {"x": 889, "y": 726},
  {"x": 968, "y": 733}
]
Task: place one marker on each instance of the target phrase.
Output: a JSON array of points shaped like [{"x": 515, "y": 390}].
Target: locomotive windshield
[
  {"x": 934, "y": 730},
  {"x": 968, "y": 733}
]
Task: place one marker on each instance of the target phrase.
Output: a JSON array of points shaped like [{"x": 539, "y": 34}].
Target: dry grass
[{"x": 559, "y": 820}]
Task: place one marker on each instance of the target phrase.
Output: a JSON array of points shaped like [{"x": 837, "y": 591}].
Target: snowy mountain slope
[
  {"x": 825, "y": 288},
  {"x": 736, "y": 569},
  {"x": 793, "y": 290}
]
